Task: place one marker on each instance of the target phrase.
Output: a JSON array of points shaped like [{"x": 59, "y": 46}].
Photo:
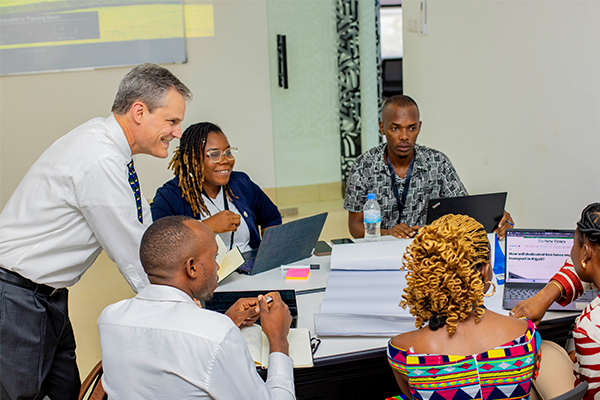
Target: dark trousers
[{"x": 37, "y": 346}]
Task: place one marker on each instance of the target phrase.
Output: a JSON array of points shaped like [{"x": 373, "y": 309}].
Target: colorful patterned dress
[{"x": 504, "y": 372}]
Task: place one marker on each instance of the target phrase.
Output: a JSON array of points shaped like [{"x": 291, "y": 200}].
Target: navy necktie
[{"x": 135, "y": 186}]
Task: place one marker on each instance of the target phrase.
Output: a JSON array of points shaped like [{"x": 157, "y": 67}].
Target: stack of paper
[
  {"x": 363, "y": 303},
  {"x": 364, "y": 289},
  {"x": 380, "y": 255}
]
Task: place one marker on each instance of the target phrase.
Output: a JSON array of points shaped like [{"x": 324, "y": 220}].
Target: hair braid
[
  {"x": 589, "y": 224},
  {"x": 444, "y": 277},
  {"x": 188, "y": 164}
]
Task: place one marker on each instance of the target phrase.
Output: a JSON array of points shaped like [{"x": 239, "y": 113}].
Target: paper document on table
[
  {"x": 230, "y": 262},
  {"x": 365, "y": 292},
  {"x": 361, "y": 325},
  {"x": 380, "y": 255},
  {"x": 221, "y": 249}
]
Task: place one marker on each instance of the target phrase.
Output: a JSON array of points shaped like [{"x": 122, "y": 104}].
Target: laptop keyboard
[
  {"x": 221, "y": 301},
  {"x": 519, "y": 294},
  {"x": 246, "y": 267}
]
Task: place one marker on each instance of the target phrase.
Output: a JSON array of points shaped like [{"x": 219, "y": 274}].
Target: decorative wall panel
[{"x": 350, "y": 123}]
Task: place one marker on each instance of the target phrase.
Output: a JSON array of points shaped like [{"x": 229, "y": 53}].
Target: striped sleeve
[
  {"x": 568, "y": 279},
  {"x": 587, "y": 346}
]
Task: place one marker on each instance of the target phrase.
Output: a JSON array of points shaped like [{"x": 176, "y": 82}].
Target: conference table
[{"x": 355, "y": 367}]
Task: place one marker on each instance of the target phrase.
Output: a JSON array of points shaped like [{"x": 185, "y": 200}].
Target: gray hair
[{"x": 150, "y": 84}]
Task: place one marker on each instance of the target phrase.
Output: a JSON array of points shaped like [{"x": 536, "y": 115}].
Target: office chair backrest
[
  {"x": 92, "y": 385},
  {"x": 574, "y": 394}
]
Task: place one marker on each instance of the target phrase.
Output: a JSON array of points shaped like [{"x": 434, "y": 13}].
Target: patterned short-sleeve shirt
[{"x": 433, "y": 177}]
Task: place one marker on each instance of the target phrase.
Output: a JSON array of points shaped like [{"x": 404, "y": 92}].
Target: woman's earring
[
  {"x": 582, "y": 264},
  {"x": 493, "y": 289}
]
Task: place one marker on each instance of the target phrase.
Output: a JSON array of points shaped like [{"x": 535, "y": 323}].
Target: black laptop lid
[
  {"x": 288, "y": 243},
  {"x": 487, "y": 209}
]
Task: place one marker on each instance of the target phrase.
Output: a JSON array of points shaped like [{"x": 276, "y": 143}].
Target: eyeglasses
[{"x": 215, "y": 156}]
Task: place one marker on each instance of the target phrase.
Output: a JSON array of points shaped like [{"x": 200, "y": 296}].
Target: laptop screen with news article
[{"x": 534, "y": 256}]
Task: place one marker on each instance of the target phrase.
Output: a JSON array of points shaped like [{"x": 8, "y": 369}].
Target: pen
[
  {"x": 311, "y": 266},
  {"x": 510, "y": 223}
]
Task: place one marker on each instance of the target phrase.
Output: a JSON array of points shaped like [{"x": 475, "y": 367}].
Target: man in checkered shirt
[{"x": 432, "y": 175}]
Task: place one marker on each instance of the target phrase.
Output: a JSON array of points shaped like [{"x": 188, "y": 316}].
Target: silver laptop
[
  {"x": 284, "y": 244},
  {"x": 532, "y": 258}
]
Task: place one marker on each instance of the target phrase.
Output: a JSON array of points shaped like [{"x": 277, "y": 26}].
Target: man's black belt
[{"x": 16, "y": 279}]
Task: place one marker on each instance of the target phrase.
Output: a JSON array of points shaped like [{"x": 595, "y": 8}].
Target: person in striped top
[
  {"x": 579, "y": 273},
  {"x": 461, "y": 351}
]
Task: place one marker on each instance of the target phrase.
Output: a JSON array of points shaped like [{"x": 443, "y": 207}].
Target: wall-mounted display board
[{"x": 54, "y": 35}]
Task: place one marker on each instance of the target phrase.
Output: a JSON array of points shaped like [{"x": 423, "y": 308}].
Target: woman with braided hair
[
  {"x": 461, "y": 350},
  {"x": 205, "y": 187},
  {"x": 579, "y": 273}
]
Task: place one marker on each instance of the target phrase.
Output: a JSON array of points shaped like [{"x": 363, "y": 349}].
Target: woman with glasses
[{"x": 206, "y": 187}]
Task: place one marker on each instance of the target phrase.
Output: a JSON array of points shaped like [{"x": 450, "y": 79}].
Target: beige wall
[
  {"x": 510, "y": 91},
  {"x": 228, "y": 74}
]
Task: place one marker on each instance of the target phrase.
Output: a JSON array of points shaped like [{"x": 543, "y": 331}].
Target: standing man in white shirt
[
  {"x": 163, "y": 345},
  {"x": 81, "y": 196}
]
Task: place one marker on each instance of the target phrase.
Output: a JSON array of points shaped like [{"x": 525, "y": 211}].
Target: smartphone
[
  {"x": 342, "y": 241},
  {"x": 322, "y": 249}
]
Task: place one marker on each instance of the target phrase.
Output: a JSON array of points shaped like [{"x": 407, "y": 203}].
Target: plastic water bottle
[{"x": 372, "y": 218}]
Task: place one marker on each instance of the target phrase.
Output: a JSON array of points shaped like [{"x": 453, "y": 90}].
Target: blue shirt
[{"x": 254, "y": 205}]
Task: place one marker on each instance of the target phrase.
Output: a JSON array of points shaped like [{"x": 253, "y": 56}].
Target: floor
[{"x": 103, "y": 284}]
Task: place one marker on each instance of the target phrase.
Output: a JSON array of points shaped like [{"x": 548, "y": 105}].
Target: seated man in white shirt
[{"x": 163, "y": 345}]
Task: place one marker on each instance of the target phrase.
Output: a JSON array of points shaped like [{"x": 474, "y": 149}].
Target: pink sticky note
[{"x": 297, "y": 273}]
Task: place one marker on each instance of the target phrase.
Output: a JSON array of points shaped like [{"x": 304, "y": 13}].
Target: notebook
[
  {"x": 284, "y": 244},
  {"x": 487, "y": 209},
  {"x": 299, "y": 344},
  {"x": 532, "y": 258}
]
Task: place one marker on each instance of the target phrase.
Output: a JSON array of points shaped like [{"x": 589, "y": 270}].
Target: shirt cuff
[{"x": 280, "y": 364}]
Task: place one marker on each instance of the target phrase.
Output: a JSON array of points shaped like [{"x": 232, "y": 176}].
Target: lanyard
[
  {"x": 226, "y": 206},
  {"x": 401, "y": 201}
]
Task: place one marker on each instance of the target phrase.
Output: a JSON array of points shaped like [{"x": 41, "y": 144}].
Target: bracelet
[{"x": 560, "y": 288}]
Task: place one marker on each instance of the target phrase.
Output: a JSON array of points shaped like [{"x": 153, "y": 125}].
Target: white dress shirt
[
  {"x": 161, "y": 345},
  {"x": 74, "y": 201},
  {"x": 241, "y": 238}
]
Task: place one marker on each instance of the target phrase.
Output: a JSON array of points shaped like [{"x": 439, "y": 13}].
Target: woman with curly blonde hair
[{"x": 460, "y": 350}]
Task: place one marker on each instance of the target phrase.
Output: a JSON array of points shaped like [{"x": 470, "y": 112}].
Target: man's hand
[
  {"x": 535, "y": 307},
  {"x": 275, "y": 321},
  {"x": 225, "y": 221},
  {"x": 244, "y": 312},
  {"x": 505, "y": 223},
  {"x": 401, "y": 231}
]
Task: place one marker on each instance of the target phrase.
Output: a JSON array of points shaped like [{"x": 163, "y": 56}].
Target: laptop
[
  {"x": 532, "y": 258},
  {"x": 284, "y": 244},
  {"x": 487, "y": 209}
]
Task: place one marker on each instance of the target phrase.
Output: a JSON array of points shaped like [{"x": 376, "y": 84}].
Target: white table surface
[{"x": 310, "y": 304}]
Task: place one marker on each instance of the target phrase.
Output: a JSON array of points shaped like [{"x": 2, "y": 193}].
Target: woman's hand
[
  {"x": 535, "y": 307},
  {"x": 225, "y": 221}
]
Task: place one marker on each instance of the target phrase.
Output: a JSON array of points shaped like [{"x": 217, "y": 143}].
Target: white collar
[
  {"x": 117, "y": 135},
  {"x": 154, "y": 292}
]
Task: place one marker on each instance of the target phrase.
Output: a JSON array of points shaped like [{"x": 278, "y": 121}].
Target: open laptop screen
[{"x": 534, "y": 256}]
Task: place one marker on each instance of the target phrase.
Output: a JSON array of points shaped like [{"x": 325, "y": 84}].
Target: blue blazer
[{"x": 254, "y": 205}]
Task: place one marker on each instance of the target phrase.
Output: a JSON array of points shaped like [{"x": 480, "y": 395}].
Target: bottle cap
[{"x": 371, "y": 196}]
